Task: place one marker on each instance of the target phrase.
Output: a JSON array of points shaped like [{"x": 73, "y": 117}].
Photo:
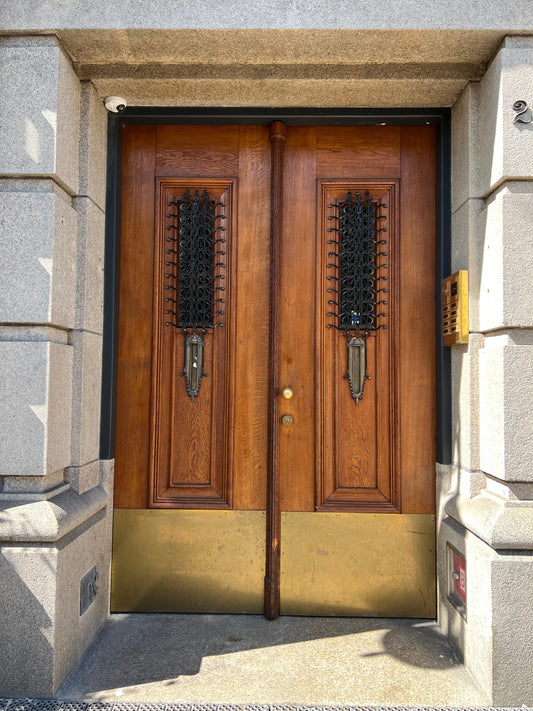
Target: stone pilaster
[
  {"x": 486, "y": 496},
  {"x": 54, "y": 496}
]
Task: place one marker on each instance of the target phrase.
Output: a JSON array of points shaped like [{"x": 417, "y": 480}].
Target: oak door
[{"x": 355, "y": 460}]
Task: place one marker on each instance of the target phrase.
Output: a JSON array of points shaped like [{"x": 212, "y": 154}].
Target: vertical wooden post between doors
[{"x": 277, "y": 135}]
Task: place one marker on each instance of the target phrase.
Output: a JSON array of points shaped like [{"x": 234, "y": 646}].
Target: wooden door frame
[{"x": 438, "y": 117}]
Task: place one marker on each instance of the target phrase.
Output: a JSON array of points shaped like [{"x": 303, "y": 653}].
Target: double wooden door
[{"x": 276, "y": 382}]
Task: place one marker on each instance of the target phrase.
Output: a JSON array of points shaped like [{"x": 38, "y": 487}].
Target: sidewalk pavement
[{"x": 163, "y": 662}]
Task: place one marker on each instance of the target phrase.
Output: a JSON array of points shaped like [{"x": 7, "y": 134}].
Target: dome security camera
[{"x": 116, "y": 104}]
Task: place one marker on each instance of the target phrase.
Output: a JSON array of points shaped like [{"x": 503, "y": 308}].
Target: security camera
[{"x": 116, "y": 104}]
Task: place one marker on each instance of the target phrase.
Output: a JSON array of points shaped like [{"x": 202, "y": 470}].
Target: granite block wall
[
  {"x": 54, "y": 490},
  {"x": 486, "y": 495}
]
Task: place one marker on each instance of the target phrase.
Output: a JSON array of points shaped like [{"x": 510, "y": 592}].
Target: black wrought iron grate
[
  {"x": 357, "y": 268},
  {"x": 194, "y": 266}
]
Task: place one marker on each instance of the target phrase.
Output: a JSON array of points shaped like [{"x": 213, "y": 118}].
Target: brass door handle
[{"x": 287, "y": 393}]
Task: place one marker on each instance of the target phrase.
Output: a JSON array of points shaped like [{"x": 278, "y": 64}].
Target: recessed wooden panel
[
  {"x": 356, "y": 441},
  {"x": 191, "y": 460}
]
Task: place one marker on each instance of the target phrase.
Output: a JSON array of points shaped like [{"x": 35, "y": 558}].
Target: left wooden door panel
[{"x": 171, "y": 451}]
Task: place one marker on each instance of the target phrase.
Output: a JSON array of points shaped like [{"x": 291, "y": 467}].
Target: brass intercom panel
[{"x": 455, "y": 308}]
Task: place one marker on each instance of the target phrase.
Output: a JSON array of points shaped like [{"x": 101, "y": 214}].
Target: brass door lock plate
[{"x": 287, "y": 420}]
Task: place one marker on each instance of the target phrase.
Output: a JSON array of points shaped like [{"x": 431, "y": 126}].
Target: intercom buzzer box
[{"x": 455, "y": 308}]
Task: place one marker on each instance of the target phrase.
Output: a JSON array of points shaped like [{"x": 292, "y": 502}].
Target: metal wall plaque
[
  {"x": 456, "y": 579},
  {"x": 88, "y": 589}
]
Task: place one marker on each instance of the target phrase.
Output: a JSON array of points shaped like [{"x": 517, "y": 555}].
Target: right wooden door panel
[{"x": 339, "y": 455}]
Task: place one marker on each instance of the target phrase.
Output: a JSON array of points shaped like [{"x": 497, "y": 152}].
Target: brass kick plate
[
  {"x": 342, "y": 564},
  {"x": 178, "y": 560},
  {"x": 358, "y": 564}
]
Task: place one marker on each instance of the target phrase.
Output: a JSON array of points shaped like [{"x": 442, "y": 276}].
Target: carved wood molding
[
  {"x": 191, "y": 446},
  {"x": 357, "y": 444}
]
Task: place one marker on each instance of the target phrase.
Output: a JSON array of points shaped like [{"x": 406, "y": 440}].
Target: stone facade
[
  {"x": 54, "y": 490},
  {"x": 55, "y": 506},
  {"x": 487, "y": 493}
]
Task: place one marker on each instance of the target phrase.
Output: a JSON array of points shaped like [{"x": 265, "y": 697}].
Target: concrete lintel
[
  {"x": 338, "y": 93},
  {"x": 293, "y": 53},
  {"x": 270, "y": 45},
  {"x": 283, "y": 71}
]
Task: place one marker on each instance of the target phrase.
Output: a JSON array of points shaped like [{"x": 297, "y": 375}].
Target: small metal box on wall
[{"x": 455, "y": 308}]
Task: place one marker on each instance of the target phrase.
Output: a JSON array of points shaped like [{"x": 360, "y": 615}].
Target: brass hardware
[
  {"x": 287, "y": 393},
  {"x": 194, "y": 364},
  {"x": 178, "y": 560},
  {"x": 286, "y": 420},
  {"x": 357, "y": 367},
  {"x": 455, "y": 308},
  {"x": 358, "y": 564}
]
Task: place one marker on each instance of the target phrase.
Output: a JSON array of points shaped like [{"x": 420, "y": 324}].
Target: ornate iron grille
[
  {"x": 193, "y": 277},
  {"x": 358, "y": 267},
  {"x": 194, "y": 272},
  {"x": 357, "y": 281}
]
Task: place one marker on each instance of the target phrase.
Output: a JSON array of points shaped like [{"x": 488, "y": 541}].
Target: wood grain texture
[
  {"x": 251, "y": 323},
  {"x": 197, "y": 151},
  {"x": 358, "y": 152},
  {"x": 228, "y": 450},
  {"x": 297, "y": 309},
  {"x": 135, "y": 318},
  {"x": 417, "y": 406},
  {"x": 360, "y": 455}
]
